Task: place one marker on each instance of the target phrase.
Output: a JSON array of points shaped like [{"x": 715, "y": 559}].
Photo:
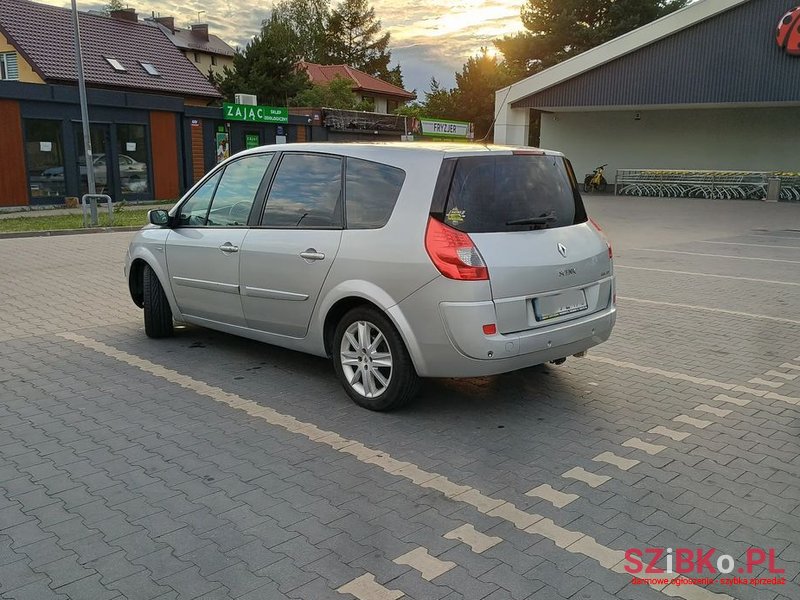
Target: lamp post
[{"x": 87, "y": 138}]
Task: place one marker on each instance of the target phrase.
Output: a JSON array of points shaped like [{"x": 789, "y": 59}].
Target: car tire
[
  {"x": 375, "y": 385},
  {"x": 157, "y": 313}
]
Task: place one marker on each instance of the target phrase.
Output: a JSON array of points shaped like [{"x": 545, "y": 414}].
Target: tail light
[
  {"x": 604, "y": 236},
  {"x": 454, "y": 253}
]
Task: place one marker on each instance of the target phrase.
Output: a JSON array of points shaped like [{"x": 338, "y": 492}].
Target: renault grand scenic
[{"x": 397, "y": 261}]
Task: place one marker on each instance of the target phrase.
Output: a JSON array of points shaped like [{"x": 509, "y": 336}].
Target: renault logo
[{"x": 562, "y": 250}]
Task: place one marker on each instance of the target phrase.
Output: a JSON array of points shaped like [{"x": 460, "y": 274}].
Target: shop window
[
  {"x": 133, "y": 160},
  {"x": 45, "y": 158},
  {"x": 9, "y": 69}
]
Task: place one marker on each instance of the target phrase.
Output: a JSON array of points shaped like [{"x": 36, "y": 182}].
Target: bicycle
[{"x": 595, "y": 181}]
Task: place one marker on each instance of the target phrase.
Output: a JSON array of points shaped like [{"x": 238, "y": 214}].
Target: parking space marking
[
  {"x": 786, "y": 376},
  {"x": 782, "y": 398},
  {"x": 760, "y": 381},
  {"x": 618, "y": 461},
  {"x": 618, "y": 266},
  {"x": 364, "y": 587},
  {"x": 744, "y": 244},
  {"x": 639, "y": 444},
  {"x": 736, "y": 401},
  {"x": 723, "y": 311},
  {"x": 731, "y": 387},
  {"x": 553, "y": 496},
  {"x": 720, "y": 412},
  {"x": 780, "y": 260},
  {"x": 428, "y": 566},
  {"x": 699, "y": 423},
  {"x": 587, "y": 477},
  {"x": 467, "y": 534},
  {"x": 778, "y": 237},
  {"x": 662, "y": 372},
  {"x": 678, "y": 436}
]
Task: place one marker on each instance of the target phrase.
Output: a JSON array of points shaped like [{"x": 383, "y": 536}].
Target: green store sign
[{"x": 256, "y": 114}]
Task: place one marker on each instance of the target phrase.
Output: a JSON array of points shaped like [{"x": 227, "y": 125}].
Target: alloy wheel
[{"x": 366, "y": 359}]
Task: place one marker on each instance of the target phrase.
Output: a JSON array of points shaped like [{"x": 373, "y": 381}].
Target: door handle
[
  {"x": 312, "y": 254},
  {"x": 229, "y": 248}
]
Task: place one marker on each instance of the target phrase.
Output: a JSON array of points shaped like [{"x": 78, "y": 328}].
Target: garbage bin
[{"x": 773, "y": 189}]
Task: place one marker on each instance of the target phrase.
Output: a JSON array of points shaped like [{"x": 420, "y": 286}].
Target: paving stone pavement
[{"x": 121, "y": 479}]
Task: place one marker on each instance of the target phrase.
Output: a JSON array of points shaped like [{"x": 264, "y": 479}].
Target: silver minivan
[{"x": 396, "y": 260}]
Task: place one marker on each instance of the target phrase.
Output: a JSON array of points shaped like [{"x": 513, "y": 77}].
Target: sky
[{"x": 430, "y": 38}]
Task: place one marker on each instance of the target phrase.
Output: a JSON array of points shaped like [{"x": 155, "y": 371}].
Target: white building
[{"x": 706, "y": 87}]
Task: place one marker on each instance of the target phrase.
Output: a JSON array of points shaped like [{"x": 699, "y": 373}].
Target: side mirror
[{"x": 158, "y": 217}]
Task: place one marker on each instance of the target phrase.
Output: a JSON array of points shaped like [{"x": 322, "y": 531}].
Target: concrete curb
[{"x": 54, "y": 232}]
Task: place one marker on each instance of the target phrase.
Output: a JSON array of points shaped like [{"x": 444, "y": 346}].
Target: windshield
[{"x": 512, "y": 193}]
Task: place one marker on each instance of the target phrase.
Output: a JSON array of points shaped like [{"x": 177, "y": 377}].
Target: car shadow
[{"x": 520, "y": 393}]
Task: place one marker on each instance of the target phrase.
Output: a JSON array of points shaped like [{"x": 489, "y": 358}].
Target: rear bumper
[{"x": 465, "y": 351}]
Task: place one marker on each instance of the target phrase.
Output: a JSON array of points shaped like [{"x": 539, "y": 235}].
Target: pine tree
[
  {"x": 267, "y": 67},
  {"x": 308, "y": 19},
  {"x": 560, "y": 29},
  {"x": 355, "y": 39}
]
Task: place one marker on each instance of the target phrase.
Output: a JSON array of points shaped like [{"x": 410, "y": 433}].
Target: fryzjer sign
[
  {"x": 440, "y": 127},
  {"x": 257, "y": 114}
]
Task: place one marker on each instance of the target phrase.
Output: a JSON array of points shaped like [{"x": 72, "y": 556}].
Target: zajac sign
[{"x": 256, "y": 114}]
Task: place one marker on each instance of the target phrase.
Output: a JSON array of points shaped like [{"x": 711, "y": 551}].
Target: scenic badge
[{"x": 455, "y": 216}]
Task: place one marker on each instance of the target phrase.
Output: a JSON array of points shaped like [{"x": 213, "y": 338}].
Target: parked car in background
[
  {"x": 397, "y": 261},
  {"x": 130, "y": 169}
]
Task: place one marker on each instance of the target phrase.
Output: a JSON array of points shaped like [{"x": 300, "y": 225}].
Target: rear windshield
[{"x": 512, "y": 193}]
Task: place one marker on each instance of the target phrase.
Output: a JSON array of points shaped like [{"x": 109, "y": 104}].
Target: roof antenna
[{"x": 497, "y": 114}]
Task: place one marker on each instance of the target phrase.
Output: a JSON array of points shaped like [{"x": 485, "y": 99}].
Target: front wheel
[
  {"x": 372, "y": 362},
  {"x": 157, "y": 313},
  {"x": 587, "y": 183}
]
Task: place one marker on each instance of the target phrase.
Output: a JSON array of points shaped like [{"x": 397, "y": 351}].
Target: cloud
[{"x": 429, "y": 38}]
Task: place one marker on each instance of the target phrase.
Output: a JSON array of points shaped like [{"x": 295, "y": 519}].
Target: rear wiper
[{"x": 543, "y": 220}]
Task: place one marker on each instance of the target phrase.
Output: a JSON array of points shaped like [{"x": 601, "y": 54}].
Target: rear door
[
  {"x": 203, "y": 248},
  {"x": 285, "y": 260},
  {"x": 546, "y": 263}
]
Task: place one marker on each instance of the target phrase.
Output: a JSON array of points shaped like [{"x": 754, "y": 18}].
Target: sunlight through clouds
[{"x": 429, "y": 38}]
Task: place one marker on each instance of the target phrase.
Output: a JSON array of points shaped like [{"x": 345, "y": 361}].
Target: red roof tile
[
  {"x": 43, "y": 34},
  {"x": 362, "y": 81}
]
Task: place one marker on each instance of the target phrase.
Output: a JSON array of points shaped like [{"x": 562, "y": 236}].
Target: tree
[
  {"x": 267, "y": 67},
  {"x": 560, "y": 29},
  {"x": 338, "y": 93},
  {"x": 308, "y": 20},
  {"x": 355, "y": 39},
  {"x": 113, "y": 5},
  {"x": 441, "y": 103},
  {"x": 480, "y": 77}
]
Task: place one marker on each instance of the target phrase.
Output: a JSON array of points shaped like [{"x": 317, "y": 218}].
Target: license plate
[{"x": 558, "y": 305}]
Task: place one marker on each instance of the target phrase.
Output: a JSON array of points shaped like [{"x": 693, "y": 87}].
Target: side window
[
  {"x": 371, "y": 191},
  {"x": 194, "y": 211},
  {"x": 305, "y": 193},
  {"x": 236, "y": 191}
]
